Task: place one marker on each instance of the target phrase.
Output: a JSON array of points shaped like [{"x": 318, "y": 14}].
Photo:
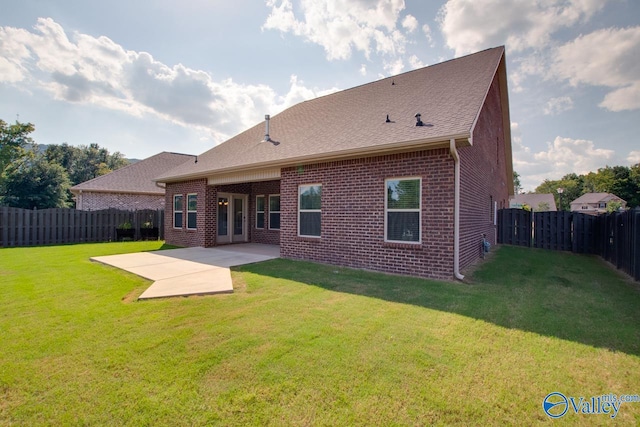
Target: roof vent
[
  {"x": 267, "y": 138},
  {"x": 388, "y": 121},
  {"x": 418, "y": 121}
]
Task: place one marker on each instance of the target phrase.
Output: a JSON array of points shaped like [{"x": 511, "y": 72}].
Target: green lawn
[{"x": 305, "y": 344}]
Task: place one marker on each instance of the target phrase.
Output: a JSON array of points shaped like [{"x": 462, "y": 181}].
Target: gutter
[{"x": 456, "y": 210}]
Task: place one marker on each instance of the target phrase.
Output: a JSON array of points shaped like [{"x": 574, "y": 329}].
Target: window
[
  {"x": 259, "y": 211},
  {"x": 309, "y": 213},
  {"x": 177, "y": 211},
  {"x": 274, "y": 212},
  {"x": 192, "y": 210},
  {"x": 402, "y": 205}
]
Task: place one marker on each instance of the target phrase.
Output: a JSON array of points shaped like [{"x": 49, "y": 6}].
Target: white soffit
[{"x": 247, "y": 176}]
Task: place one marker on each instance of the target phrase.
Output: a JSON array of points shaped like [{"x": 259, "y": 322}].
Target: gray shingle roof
[
  {"x": 448, "y": 95},
  {"x": 595, "y": 198},
  {"x": 136, "y": 177},
  {"x": 534, "y": 200}
]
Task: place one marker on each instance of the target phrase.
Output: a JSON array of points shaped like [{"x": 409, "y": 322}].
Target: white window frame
[
  {"x": 175, "y": 196},
  {"x": 263, "y": 211},
  {"x": 270, "y": 211},
  {"x": 192, "y": 211},
  {"x": 309, "y": 210},
  {"x": 419, "y": 210}
]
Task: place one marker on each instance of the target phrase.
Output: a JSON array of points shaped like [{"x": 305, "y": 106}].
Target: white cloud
[
  {"x": 634, "y": 157},
  {"x": 9, "y": 71},
  {"x": 535, "y": 63},
  {"x": 363, "y": 69},
  {"x": 97, "y": 71},
  {"x": 342, "y": 26},
  {"x": 516, "y": 138},
  {"x": 12, "y": 52},
  {"x": 558, "y": 105},
  {"x": 566, "y": 155},
  {"x": 607, "y": 57},
  {"x": 472, "y": 25},
  {"x": 393, "y": 67},
  {"x": 415, "y": 62},
  {"x": 563, "y": 156},
  {"x": 410, "y": 23},
  {"x": 426, "y": 29}
]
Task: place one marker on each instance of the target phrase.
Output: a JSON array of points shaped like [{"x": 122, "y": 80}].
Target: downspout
[{"x": 456, "y": 210}]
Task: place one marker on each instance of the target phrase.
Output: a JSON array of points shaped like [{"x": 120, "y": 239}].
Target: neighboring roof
[
  {"x": 351, "y": 123},
  {"x": 596, "y": 198},
  {"x": 136, "y": 177},
  {"x": 534, "y": 200}
]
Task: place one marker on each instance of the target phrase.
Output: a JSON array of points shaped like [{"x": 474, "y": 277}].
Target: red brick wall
[
  {"x": 205, "y": 219},
  {"x": 255, "y": 235},
  {"x": 353, "y": 196},
  {"x": 205, "y": 234},
  {"x": 88, "y": 201},
  {"x": 482, "y": 178},
  {"x": 266, "y": 236}
]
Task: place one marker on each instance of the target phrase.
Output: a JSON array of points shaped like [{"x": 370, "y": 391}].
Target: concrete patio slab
[{"x": 190, "y": 271}]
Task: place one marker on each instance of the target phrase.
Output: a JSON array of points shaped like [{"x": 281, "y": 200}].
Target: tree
[
  {"x": 13, "y": 141},
  {"x": 634, "y": 177},
  {"x": 613, "y": 206},
  {"x": 85, "y": 162},
  {"x": 622, "y": 181},
  {"x": 543, "y": 207},
  {"x": 517, "y": 187},
  {"x": 623, "y": 186},
  {"x": 571, "y": 185},
  {"x": 63, "y": 154},
  {"x": 92, "y": 161},
  {"x": 34, "y": 182},
  {"x": 29, "y": 179}
]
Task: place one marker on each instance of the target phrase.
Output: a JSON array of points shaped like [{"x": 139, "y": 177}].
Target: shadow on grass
[
  {"x": 166, "y": 247},
  {"x": 564, "y": 295}
]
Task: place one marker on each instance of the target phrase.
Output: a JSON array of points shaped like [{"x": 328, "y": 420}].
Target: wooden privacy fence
[
  {"x": 615, "y": 237},
  {"x": 23, "y": 227}
]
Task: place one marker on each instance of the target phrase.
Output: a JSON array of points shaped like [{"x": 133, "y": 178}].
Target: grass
[{"x": 306, "y": 344}]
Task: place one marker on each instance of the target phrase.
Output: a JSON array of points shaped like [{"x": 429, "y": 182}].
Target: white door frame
[{"x": 229, "y": 202}]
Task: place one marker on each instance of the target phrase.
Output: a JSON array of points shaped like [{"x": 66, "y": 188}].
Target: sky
[{"x": 144, "y": 77}]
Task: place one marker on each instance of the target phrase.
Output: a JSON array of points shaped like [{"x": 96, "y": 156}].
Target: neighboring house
[
  {"x": 595, "y": 203},
  {"x": 130, "y": 187},
  {"x": 356, "y": 179},
  {"x": 537, "y": 202}
]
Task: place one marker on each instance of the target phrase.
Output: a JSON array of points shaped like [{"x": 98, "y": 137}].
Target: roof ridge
[{"x": 415, "y": 70}]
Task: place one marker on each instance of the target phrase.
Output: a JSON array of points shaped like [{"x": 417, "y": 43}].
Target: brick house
[
  {"x": 128, "y": 188},
  {"x": 400, "y": 175}
]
